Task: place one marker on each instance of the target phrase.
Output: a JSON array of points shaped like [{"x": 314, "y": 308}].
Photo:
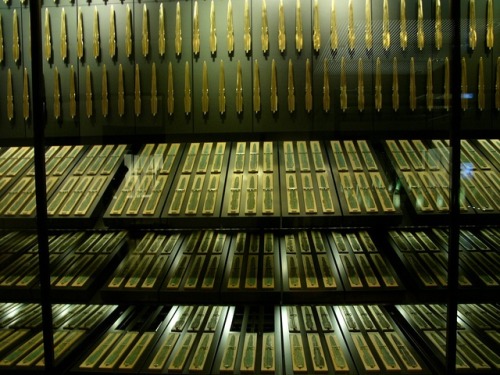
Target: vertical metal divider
[
  {"x": 39, "y": 116},
  {"x": 454, "y": 223}
]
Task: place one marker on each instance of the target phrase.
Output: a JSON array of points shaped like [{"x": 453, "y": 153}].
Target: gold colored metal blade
[
  {"x": 368, "y": 25},
  {"x": 378, "y": 86},
  {"x": 26, "y": 96},
  {"x": 403, "y": 34},
  {"x": 121, "y": 92},
  {"x": 264, "y": 31},
  {"x": 187, "y": 89},
  {"x": 137, "y": 89},
  {"x": 465, "y": 103},
  {"x": 161, "y": 32},
  {"x": 239, "y": 89},
  {"x": 413, "y": 88},
  {"x": 88, "y": 92},
  {"x": 281, "y": 28},
  {"x": 439, "y": 26},
  {"x": 420, "y": 26},
  {"x": 247, "y": 33},
  {"x": 361, "y": 86},
  {"x": 154, "y": 97},
  {"x": 96, "y": 42},
  {"x": 57, "y": 95},
  {"x": 395, "y": 85},
  {"x": 15, "y": 37},
  {"x": 343, "y": 85},
  {"x": 170, "y": 90},
  {"x": 334, "y": 39},
  {"x": 1, "y": 40},
  {"x": 204, "y": 90},
  {"x": 72, "y": 92},
  {"x": 256, "y": 87},
  {"x": 316, "y": 28},
  {"x": 274, "y": 88},
  {"x": 230, "y": 27},
  {"x": 128, "y": 32},
  {"x": 48, "y": 37},
  {"x": 481, "y": 101},
  {"x": 386, "y": 34},
  {"x": 472, "y": 25},
  {"x": 326, "y": 88},
  {"x": 490, "y": 26},
  {"x": 497, "y": 86},
  {"x": 213, "y": 30},
  {"x": 309, "y": 97},
  {"x": 222, "y": 89},
  {"x": 430, "y": 95},
  {"x": 112, "y": 33},
  {"x": 447, "y": 88},
  {"x": 299, "y": 34},
  {"x": 145, "y": 32},
  {"x": 178, "y": 30},
  {"x": 291, "y": 88},
  {"x": 196, "y": 30},
  {"x": 351, "y": 36},
  {"x": 104, "y": 92},
  {"x": 10, "y": 96},
  {"x": 79, "y": 36}
]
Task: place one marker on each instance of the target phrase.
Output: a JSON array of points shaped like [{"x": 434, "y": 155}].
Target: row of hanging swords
[
  {"x": 256, "y": 94},
  {"x": 247, "y": 35}
]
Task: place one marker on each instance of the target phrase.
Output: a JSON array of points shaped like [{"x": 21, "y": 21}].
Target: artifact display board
[
  {"x": 141, "y": 195},
  {"x": 477, "y": 352},
  {"x": 309, "y": 196},
  {"x": 363, "y": 188},
  {"x": 79, "y": 262},
  {"x": 252, "y": 195},
  {"x": 21, "y": 347},
  {"x": 196, "y": 194},
  {"x": 18, "y": 201},
  {"x": 424, "y": 254},
  {"x": 252, "y": 272}
]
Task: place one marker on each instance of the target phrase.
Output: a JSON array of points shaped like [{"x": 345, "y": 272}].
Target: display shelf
[
  {"x": 198, "y": 187},
  {"x": 141, "y": 196},
  {"x": 22, "y": 351},
  {"x": 476, "y": 352}
]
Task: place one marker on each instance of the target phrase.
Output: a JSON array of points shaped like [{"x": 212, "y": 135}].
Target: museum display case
[{"x": 250, "y": 186}]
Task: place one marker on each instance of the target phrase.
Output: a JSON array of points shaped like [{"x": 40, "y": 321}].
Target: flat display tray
[
  {"x": 299, "y": 171},
  {"x": 99, "y": 202},
  {"x": 191, "y": 176},
  {"x": 363, "y": 217},
  {"x": 254, "y": 164},
  {"x": 252, "y": 270},
  {"x": 141, "y": 219}
]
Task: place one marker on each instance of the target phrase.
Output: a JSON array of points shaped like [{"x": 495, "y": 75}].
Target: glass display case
[{"x": 250, "y": 186}]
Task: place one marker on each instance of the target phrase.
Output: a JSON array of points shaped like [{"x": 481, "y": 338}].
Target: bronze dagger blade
[
  {"x": 309, "y": 98},
  {"x": 145, "y": 31},
  {"x": 230, "y": 27},
  {"x": 291, "y": 88},
  {"x": 386, "y": 37},
  {"x": 403, "y": 34},
  {"x": 222, "y": 89},
  {"x": 204, "y": 90},
  {"x": 213, "y": 30},
  {"x": 137, "y": 89},
  {"x": 10, "y": 96},
  {"x": 256, "y": 87},
  {"x": 395, "y": 85},
  {"x": 121, "y": 92},
  {"x": 247, "y": 33},
  {"x": 57, "y": 95},
  {"x": 128, "y": 32},
  {"x": 299, "y": 35},
  {"x": 239, "y": 89},
  {"x": 343, "y": 85},
  {"x": 15, "y": 37},
  {"x": 326, "y": 88},
  {"x": 361, "y": 86},
  {"x": 350, "y": 27},
  {"x": 96, "y": 42},
  {"x": 170, "y": 90},
  {"x": 490, "y": 25},
  {"x": 196, "y": 30},
  {"x": 112, "y": 33},
  {"x": 79, "y": 36},
  {"x": 187, "y": 89},
  {"x": 72, "y": 92},
  {"x": 104, "y": 92},
  {"x": 420, "y": 26},
  {"x": 274, "y": 88},
  {"x": 472, "y": 25},
  {"x": 88, "y": 92},
  {"x": 334, "y": 39},
  {"x": 178, "y": 30},
  {"x": 48, "y": 38},
  {"x": 161, "y": 32},
  {"x": 264, "y": 32},
  {"x": 368, "y": 25},
  {"x": 378, "y": 85},
  {"x": 26, "y": 96},
  {"x": 281, "y": 28},
  {"x": 154, "y": 97},
  {"x": 430, "y": 95},
  {"x": 316, "y": 28},
  {"x": 439, "y": 26},
  {"x": 481, "y": 101}
]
